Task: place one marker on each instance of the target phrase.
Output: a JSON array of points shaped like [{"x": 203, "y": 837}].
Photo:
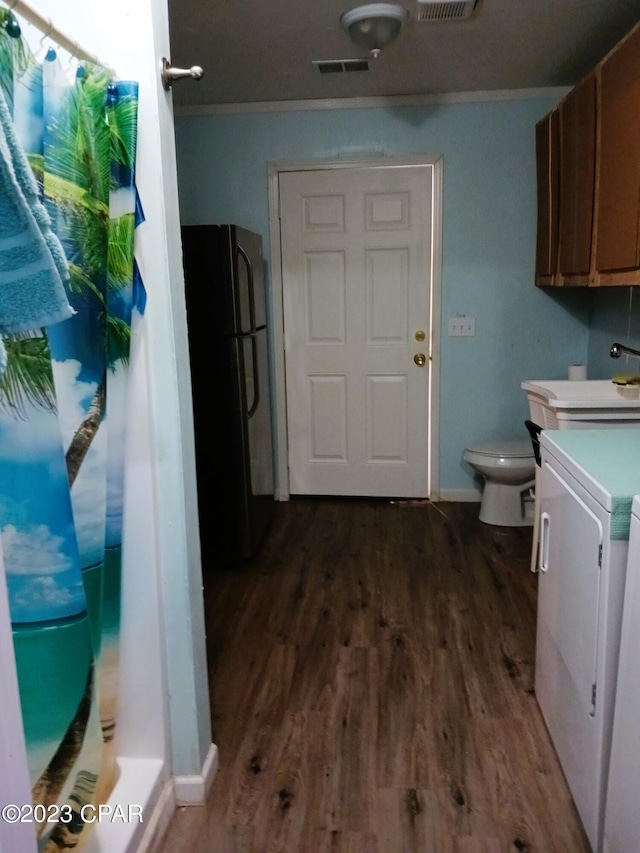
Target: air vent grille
[
  {"x": 444, "y": 10},
  {"x": 340, "y": 66}
]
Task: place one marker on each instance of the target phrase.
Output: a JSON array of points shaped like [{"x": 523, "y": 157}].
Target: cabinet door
[
  {"x": 547, "y": 159},
  {"x": 577, "y": 178},
  {"x": 618, "y": 243}
]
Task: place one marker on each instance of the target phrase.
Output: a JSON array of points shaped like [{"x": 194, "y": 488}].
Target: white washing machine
[
  {"x": 622, "y": 815},
  {"x": 586, "y": 404},
  {"x": 587, "y": 482}
]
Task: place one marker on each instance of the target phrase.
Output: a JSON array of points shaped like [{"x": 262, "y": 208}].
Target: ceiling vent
[
  {"x": 444, "y": 10},
  {"x": 340, "y": 66}
]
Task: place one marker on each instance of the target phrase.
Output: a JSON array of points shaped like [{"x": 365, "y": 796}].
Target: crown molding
[{"x": 392, "y": 101}]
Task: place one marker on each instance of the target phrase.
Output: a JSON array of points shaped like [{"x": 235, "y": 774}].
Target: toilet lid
[{"x": 515, "y": 448}]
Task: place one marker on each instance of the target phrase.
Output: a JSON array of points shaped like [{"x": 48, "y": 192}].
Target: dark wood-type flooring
[{"x": 371, "y": 680}]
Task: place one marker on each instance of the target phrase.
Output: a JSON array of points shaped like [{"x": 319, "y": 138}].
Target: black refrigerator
[{"x": 228, "y": 351}]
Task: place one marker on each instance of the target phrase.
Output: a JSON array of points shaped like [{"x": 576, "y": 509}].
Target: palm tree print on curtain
[{"x": 62, "y": 413}]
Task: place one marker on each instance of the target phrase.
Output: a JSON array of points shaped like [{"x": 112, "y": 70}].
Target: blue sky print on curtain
[{"x": 62, "y": 412}]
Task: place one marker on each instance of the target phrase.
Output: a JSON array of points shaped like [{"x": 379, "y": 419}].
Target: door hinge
[
  {"x": 600, "y": 555},
  {"x": 593, "y": 700}
]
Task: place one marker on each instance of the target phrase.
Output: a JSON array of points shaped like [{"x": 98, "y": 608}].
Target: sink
[{"x": 582, "y": 404}]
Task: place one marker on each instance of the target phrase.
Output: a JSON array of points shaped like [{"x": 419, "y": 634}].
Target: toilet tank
[{"x": 582, "y": 404}]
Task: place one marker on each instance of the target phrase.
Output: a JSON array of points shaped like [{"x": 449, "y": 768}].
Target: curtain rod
[{"x": 46, "y": 26}]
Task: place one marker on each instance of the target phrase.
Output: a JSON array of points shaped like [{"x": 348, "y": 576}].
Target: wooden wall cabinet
[
  {"x": 617, "y": 255},
  {"x": 565, "y": 161},
  {"x": 577, "y": 181},
  {"x": 588, "y": 164},
  {"x": 548, "y": 174}
]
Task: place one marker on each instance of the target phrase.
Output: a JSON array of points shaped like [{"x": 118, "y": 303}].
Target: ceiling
[{"x": 262, "y": 50}]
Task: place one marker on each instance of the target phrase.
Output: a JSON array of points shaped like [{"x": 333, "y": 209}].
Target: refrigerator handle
[
  {"x": 252, "y": 302},
  {"x": 256, "y": 378}
]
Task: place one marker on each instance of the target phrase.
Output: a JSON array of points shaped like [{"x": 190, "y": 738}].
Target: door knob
[{"x": 419, "y": 359}]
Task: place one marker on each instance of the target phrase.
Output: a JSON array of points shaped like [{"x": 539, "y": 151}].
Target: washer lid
[{"x": 511, "y": 448}]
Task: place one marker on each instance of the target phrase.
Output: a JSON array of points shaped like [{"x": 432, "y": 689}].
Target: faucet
[{"x": 617, "y": 350}]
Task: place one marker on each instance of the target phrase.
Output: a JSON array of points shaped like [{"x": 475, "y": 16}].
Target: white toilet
[{"x": 508, "y": 468}]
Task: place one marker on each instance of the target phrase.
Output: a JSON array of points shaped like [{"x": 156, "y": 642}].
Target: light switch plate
[{"x": 462, "y": 327}]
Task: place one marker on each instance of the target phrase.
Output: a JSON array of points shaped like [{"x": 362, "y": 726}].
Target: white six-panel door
[{"x": 356, "y": 267}]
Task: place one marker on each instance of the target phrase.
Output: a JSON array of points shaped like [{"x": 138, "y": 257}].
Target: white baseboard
[
  {"x": 178, "y": 791},
  {"x": 193, "y": 790},
  {"x": 461, "y": 495}
]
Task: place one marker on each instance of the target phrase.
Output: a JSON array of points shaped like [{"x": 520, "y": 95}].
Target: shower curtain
[{"x": 69, "y": 294}]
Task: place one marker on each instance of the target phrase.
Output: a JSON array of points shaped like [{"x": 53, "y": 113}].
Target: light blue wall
[
  {"x": 615, "y": 317},
  {"x": 489, "y": 212}
]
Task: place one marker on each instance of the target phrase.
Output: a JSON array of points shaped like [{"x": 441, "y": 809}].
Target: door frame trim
[{"x": 277, "y": 309}]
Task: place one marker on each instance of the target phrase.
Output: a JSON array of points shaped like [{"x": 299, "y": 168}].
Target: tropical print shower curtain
[{"x": 69, "y": 293}]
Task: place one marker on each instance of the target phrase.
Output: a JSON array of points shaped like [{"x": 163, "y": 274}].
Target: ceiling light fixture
[{"x": 374, "y": 25}]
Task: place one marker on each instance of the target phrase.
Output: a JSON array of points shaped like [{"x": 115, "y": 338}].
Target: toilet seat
[{"x": 509, "y": 449}]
